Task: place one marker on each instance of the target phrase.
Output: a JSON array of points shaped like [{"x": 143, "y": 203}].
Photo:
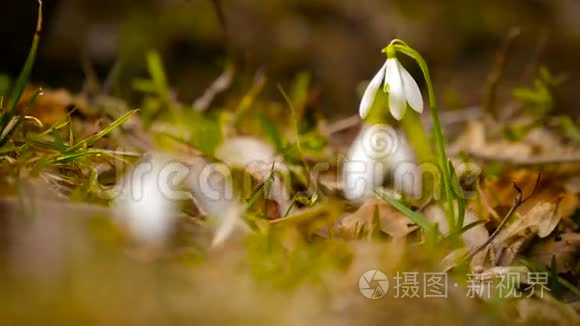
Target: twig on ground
[
  {"x": 343, "y": 124},
  {"x": 219, "y": 85},
  {"x": 518, "y": 201}
]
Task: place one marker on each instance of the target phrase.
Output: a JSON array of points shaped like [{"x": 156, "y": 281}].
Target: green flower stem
[{"x": 437, "y": 130}]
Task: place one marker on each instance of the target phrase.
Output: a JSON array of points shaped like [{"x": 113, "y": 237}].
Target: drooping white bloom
[
  {"x": 400, "y": 85},
  {"x": 148, "y": 203},
  {"x": 213, "y": 194},
  {"x": 377, "y": 154},
  {"x": 257, "y": 157},
  {"x": 145, "y": 205}
]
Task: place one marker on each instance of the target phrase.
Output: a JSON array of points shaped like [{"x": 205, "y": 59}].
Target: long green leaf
[
  {"x": 418, "y": 218},
  {"x": 157, "y": 72},
  {"x": 67, "y": 158},
  {"x": 465, "y": 229},
  {"x": 92, "y": 139},
  {"x": 24, "y": 74},
  {"x": 271, "y": 132},
  {"x": 7, "y": 134}
]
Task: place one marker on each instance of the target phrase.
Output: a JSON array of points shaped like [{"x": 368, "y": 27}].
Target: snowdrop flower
[
  {"x": 379, "y": 153},
  {"x": 257, "y": 157},
  {"x": 144, "y": 205},
  {"x": 400, "y": 85},
  {"x": 213, "y": 194}
]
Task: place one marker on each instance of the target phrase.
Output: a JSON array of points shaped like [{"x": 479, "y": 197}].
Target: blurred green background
[{"x": 338, "y": 42}]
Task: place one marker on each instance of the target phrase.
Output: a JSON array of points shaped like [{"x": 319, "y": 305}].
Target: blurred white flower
[
  {"x": 213, "y": 194},
  {"x": 379, "y": 153},
  {"x": 148, "y": 203},
  {"x": 400, "y": 85},
  {"x": 143, "y": 205},
  {"x": 257, "y": 158}
]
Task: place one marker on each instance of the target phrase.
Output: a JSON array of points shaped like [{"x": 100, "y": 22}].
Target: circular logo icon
[
  {"x": 379, "y": 142},
  {"x": 373, "y": 284}
]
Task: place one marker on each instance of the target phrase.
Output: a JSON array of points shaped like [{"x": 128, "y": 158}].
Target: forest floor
[{"x": 72, "y": 248}]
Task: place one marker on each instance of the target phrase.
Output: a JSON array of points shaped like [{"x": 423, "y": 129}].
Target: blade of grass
[
  {"x": 417, "y": 218},
  {"x": 300, "y": 198},
  {"x": 60, "y": 124},
  {"x": 92, "y": 139},
  {"x": 465, "y": 229},
  {"x": 11, "y": 149},
  {"x": 263, "y": 190},
  {"x": 7, "y": 133},
  {"x": 157, "y": 72},
  {"x": 303, "y": 216},
  {"x": 67, "y": 158},
  {"x": 24, "y": 74},
  {"x": 271, "y": 132}
]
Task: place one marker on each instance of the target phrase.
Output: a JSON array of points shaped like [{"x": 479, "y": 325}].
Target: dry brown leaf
[
  {"x": 548, "y": 220},
  {"x": 540, "y": 145},
  {"x": 541, "y": 220},
  {"x": 505, "y": 256},
  {"x": 565, "y": 248},
  {"x": 473, "y": 141},
  {"x": 392, "y": 221},
  {"x": 500, "y": 193},
  {"x": 51, "y": 107}
]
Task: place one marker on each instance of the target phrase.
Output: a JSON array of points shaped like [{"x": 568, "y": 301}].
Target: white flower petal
[
  {"x": 393, "y": 78},
  {"x": 369, "y": 95},
  {"x": 212, "y": 191},
  {"x": 257, "y": 158},
  {"x": 411, "y": 89},
  {"x": 143, "y": 206},
  {"x": 230, "y": 223},
  {"x": 397, "y": 104},
  {"x": 241, "y": 151},
  {"x": 362, "y": 171}
]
